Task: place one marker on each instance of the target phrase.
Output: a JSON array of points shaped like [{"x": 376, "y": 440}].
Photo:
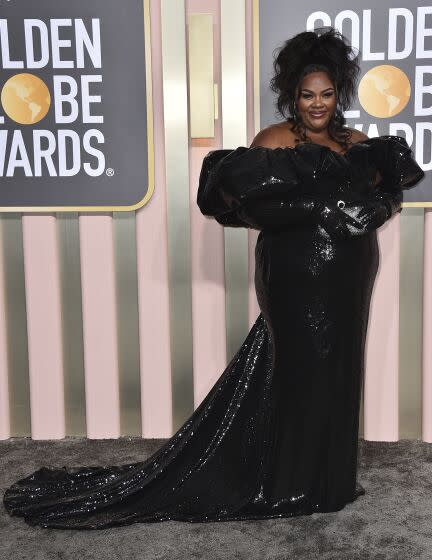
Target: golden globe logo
[
  {"x": 384, "y": 91},
  {"x": 26, "y": 99}
]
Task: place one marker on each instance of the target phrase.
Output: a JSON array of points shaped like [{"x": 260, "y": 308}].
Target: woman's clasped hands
[{"x": 347, "y": 220}]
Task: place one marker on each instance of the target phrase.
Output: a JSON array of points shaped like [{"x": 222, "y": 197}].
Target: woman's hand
[
  {"x": 373, "y": 215},
  {"x": 335, "y": 220},
  {"x": 361, "y": 217},
  {"x": 380, "y": 208}
]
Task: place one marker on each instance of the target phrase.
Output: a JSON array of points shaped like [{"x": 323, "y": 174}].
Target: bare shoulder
[
  {"x": 280, "y": 135},
  {"x": 274, "y": 136},
  {"x": 357, "y": 135}
]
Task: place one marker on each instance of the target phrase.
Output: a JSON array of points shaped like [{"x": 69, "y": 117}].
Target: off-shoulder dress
[{"x": 277, "y": 434}]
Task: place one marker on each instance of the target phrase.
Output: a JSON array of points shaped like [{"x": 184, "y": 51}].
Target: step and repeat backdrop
[
  {"x": 122, "y": 304},
  {"x": 395, "y": 85},
  {"x": 73, "y": 114}
]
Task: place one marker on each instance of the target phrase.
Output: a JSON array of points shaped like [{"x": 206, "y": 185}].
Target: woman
[{"x": 277, "y": 434}]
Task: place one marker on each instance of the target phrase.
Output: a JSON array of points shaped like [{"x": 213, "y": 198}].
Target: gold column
[
  {"x": 177, "y": 187},
  {"x": 234, "y": 127}
]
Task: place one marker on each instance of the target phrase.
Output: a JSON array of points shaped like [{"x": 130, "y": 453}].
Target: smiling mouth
[{"x": 317, "y": 115}]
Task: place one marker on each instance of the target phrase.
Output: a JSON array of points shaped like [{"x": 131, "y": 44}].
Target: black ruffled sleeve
[
  {"x": 395, "y": 162},
  {"x": 266, "y": 188},
  {"x": 252, "y": 187},
  {"x": 210, "y": 198}
]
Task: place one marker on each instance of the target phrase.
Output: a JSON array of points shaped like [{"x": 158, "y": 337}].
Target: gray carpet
[{"x": 392, "y": 521}]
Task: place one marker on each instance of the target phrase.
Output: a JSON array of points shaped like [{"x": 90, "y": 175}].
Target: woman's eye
[{"x": 309, "y": 96}]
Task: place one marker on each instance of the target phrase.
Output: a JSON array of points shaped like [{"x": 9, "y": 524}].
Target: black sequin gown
[{"x": 277, "y": 434}]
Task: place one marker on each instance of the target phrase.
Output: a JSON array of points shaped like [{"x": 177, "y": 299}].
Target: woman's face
[{"x": 316, "y": 100}]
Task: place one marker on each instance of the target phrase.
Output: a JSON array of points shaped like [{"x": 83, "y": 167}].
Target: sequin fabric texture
[{"x": 277, "y": 434}]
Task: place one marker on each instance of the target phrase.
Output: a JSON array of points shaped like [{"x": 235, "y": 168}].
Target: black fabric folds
[
  {"x": 277, "y": 435},
  {"x": 394, "y": 159},
  {"x": 277, "y": 188}
]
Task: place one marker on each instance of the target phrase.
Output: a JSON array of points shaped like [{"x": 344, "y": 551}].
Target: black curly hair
[{"x": 324, "y": 49}]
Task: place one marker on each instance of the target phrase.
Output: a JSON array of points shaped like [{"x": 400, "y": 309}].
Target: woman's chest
[{"x": 341, "y": 177}]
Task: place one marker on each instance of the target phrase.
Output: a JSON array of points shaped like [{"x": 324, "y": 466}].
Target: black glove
[
  {"x": 278, "y": 214},
  {"x": 379, "y": 208},
  {"x": 336, "y": 221}
]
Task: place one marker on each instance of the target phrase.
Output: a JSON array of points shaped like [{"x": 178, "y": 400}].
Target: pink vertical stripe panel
[
  {"x": 207, "y": 252},
  {"x": 4, "y": 385},
  {"x": 381, "y": 399},
  {"x": 152, "y": 270},
  {"x": 44, "y": 332},
  {"x": 208, "y": 292},
  {"x": 99, "y": 326},
  {"x": 427, "y": 329}
]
